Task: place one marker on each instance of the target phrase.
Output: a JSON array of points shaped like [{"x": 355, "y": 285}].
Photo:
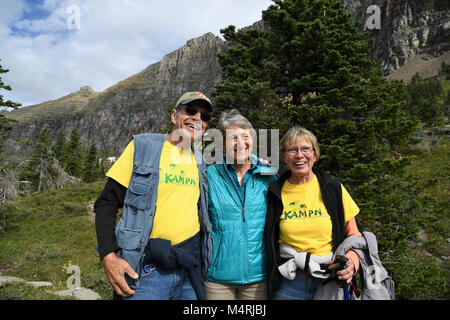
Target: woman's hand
[{"x": 345, "y": 274}]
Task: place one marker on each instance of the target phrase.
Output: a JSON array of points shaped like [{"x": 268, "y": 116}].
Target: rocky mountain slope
[
  {"x": 406, "y": 28},
  {"x": 134, "y": 105},
  {"x": 417, "y": 29}
]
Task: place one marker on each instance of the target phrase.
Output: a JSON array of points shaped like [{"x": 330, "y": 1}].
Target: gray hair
[{"x": 232, "y": 117}]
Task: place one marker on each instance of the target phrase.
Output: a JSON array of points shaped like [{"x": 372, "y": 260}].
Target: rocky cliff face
[
  {"x": 139, "y": 103},
  {"x": 135, "y": 105},
  {"x": 405, "y": 28}
]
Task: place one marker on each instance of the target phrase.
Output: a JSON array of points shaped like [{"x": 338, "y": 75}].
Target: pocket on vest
[
  {"x": 140, "y": 185},
  {"x": 137, "y": 195},
  {"x": 129, "y": 238}
]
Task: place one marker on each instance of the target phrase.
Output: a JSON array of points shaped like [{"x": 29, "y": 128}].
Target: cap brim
[{"x": 203, "y": 101}]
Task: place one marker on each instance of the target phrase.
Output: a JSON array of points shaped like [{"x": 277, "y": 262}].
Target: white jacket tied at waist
[{"x": 298, "y": 260}]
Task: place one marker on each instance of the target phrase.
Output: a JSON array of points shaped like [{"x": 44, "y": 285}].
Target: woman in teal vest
[{"x": 237, "y": 210}]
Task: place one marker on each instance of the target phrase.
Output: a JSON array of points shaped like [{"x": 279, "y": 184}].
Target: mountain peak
[{"x": 85, "y": 91}]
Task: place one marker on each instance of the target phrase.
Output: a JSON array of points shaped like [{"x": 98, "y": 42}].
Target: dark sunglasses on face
[{"x": 192, "y": 111}]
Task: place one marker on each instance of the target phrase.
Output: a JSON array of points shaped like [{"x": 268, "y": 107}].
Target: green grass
[
  {"x": 21, "y": 291},
  {"x": 431, "y": 173},
  {"x": 445, "y": 85},
  {"x": 423, "y": 270},
  {"x": 47, "y": 231}
]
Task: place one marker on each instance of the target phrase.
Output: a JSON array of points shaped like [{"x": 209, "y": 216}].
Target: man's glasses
[{"x": 192, "y": 111}]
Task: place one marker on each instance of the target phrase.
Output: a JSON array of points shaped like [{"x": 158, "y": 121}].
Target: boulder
[
  {"x": 79, "y": 293},
  {"x": 5, "y": 279},
  {"x": 39, "y": 284}
]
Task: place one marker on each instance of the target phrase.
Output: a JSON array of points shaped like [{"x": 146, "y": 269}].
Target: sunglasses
[{"x": 192, "y": 111}]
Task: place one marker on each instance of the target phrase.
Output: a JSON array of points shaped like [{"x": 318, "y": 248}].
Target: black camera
[{"x": 342, "y": 260}]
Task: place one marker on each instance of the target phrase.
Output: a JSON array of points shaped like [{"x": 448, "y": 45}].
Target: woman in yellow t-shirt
[{"x": 309, "y": 214}]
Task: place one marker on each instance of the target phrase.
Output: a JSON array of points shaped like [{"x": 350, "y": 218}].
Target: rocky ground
[{"x": 77, "y": 293}]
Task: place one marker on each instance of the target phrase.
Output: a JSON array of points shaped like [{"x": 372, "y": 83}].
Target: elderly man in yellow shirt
[{"x": 161, "y": 246}]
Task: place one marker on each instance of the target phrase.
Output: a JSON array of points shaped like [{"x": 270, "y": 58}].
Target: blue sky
[
  {"x": 34, "y": 10},
  {"x": 54, "y": 47},
  {"x": 32, "y": 13}
]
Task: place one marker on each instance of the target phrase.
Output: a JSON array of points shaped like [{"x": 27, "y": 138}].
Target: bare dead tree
[
  {"x": 9, "y": 186},
  {"x": 52, "y": 175}
]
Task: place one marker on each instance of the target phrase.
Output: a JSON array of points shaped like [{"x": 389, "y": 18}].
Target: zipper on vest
[{"x": 237, "y": 193}]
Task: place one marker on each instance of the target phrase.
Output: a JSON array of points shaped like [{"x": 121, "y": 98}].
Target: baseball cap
[{"x": 195, "y": 96}]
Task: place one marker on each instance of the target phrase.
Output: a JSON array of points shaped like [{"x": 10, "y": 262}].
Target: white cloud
[{"x": 117, "y": 38}]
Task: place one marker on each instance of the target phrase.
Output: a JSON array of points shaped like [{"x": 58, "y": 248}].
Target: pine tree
[
  {"x": 309, "y": 66},
  {"x": 59, "y": 144},
  {"x": 73, "y": 158},
  {"x": 38, "y": 166},
  {"x": 104, "y": 164},
  {"x": 444, "y": 72},
  {"x": 314, "y": 58},
  {"x": 65, "y": 154},
  {"x": 5, "y": 122},
  {"x": 422, "y": 96},
  {"x": 43, "y": 169},
  {"x": 90, "y": 171}
]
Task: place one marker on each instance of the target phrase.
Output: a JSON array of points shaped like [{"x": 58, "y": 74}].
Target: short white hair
[{"x": 230, "y": 118}]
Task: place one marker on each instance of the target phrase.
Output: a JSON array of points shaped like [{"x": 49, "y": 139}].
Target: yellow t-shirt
[
  {"x": 305, "y": 223},
  {"x": 176, "y": 216}
]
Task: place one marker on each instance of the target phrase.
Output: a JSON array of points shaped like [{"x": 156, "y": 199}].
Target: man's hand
[{"x": 115, "y": 269}]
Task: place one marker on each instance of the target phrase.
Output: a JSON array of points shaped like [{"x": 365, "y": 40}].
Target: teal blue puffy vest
[{"x": 239, "y": 250}]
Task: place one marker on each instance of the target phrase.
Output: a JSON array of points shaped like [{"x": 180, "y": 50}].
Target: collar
[
  {"x": 257, "y": 167},
  {"x": 230, "y": 167},
  {"x": 277, "y": 185}
]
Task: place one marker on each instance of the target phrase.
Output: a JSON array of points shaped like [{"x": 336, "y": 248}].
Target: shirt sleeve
[
  {"x": 122, "y": 169},
  {"x": 105, "y": 208},
  {"x": 350, "y": 207}
]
